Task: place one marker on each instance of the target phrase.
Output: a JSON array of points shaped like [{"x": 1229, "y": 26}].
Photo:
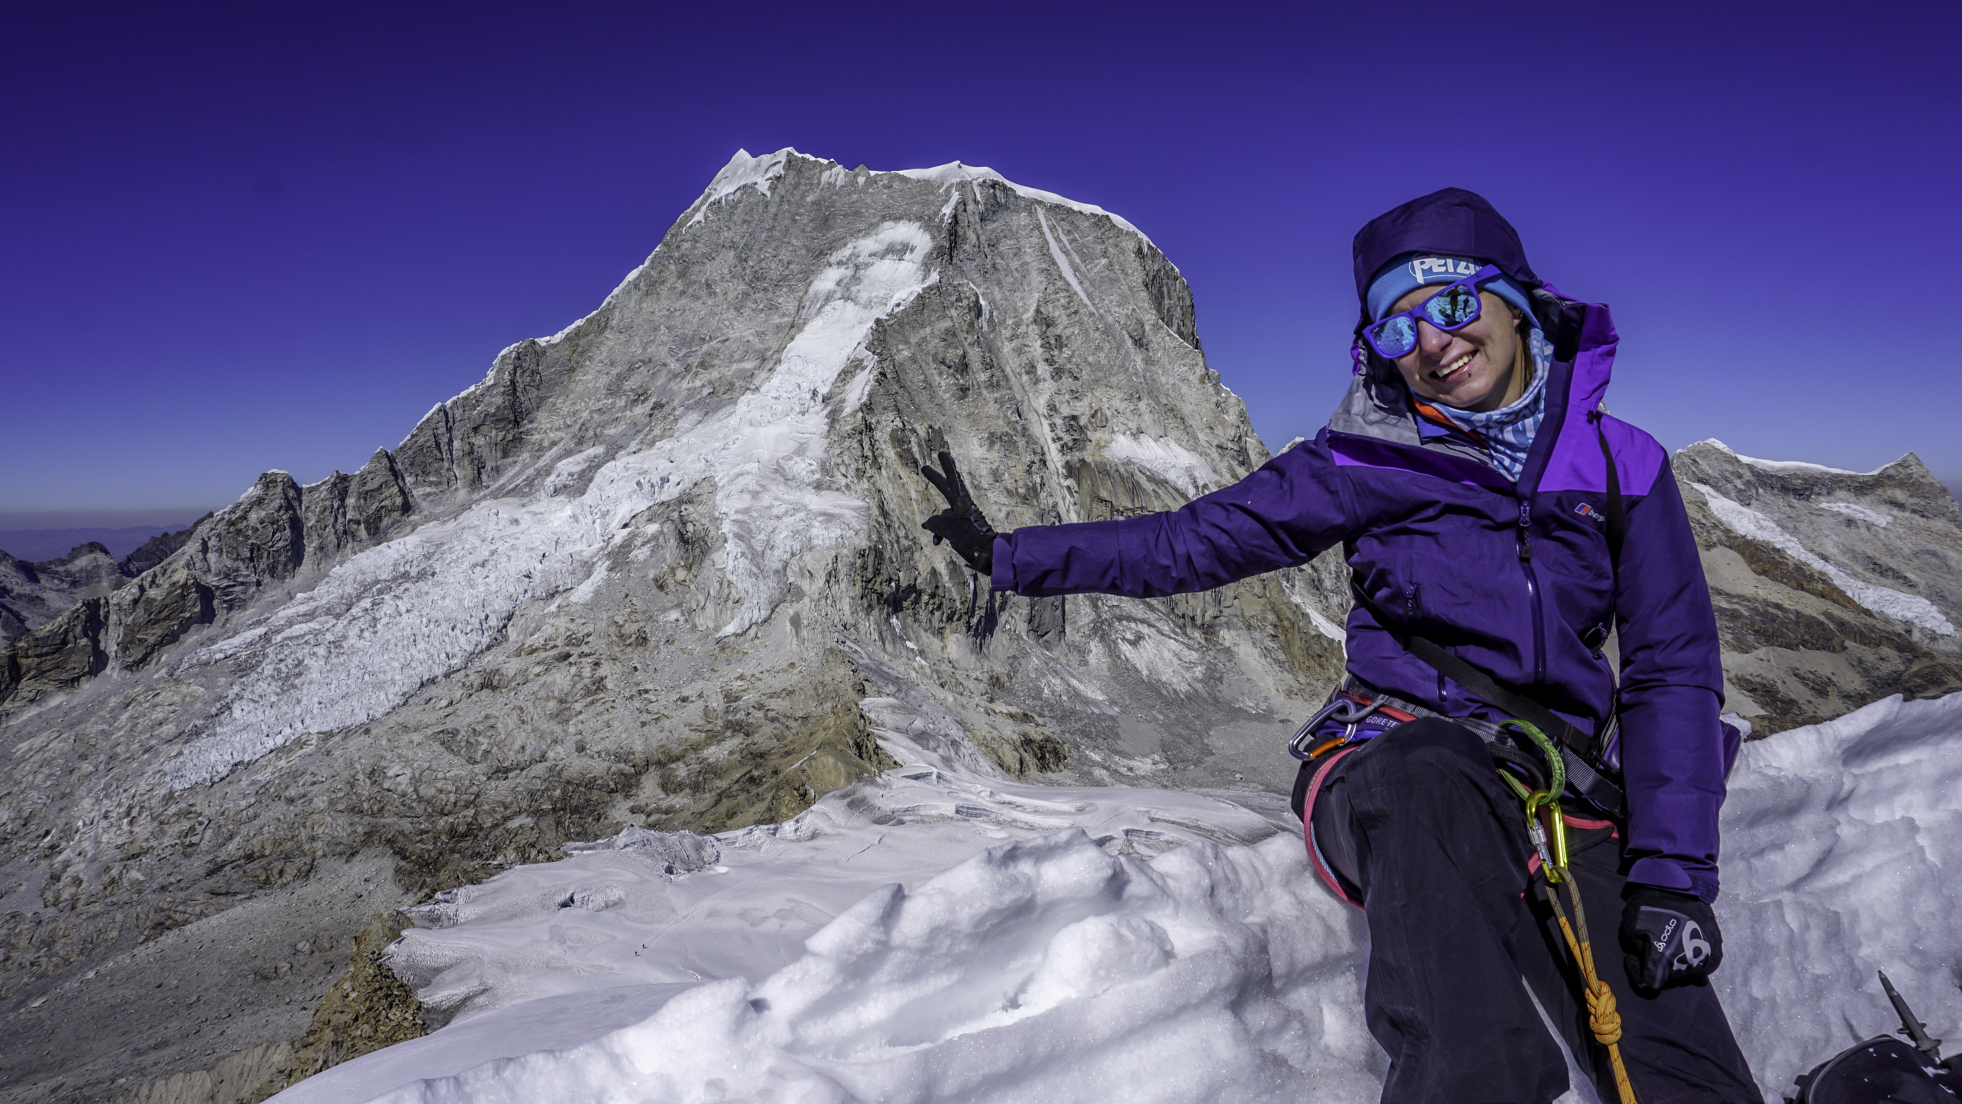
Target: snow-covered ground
[{"x": 943, "y": 934}]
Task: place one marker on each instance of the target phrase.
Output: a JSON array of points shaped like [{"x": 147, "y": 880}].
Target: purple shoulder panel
[
  {"x": 1577, "y": 464},
  {"x": 1364, "y": 452}
]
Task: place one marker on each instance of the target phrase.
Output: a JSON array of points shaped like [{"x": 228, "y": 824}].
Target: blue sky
[{"x": 243, "y": 237}]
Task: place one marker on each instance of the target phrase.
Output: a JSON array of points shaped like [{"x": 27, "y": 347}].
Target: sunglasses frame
[{"x": 1417, "y": 313}]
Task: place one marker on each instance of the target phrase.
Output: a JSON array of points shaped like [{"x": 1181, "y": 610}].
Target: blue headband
[{"x": 1414, "y": 270}]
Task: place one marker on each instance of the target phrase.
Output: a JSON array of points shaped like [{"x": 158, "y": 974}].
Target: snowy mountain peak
[{"x": 660, "y": 569}]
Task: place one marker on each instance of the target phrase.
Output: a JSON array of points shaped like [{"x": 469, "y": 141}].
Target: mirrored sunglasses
[{"x": 1452, "y": 308}]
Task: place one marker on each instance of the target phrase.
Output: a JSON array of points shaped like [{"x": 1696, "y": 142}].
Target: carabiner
[{"x": 1333, "y": 711}]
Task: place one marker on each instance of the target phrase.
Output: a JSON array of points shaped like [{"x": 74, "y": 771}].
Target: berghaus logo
[
  {"x": 1425, "y": 267},
  {"x": 1589, "y": 512}
]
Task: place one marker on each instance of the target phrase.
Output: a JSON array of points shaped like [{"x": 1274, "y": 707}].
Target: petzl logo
[
  {"x": 1589, "y": 512},
  {"x": 1423, "y": 268}
]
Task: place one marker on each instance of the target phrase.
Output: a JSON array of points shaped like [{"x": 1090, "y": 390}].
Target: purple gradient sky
[{"x": 241, "y": 237}]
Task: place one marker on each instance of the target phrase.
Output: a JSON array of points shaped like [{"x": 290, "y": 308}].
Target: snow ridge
[
  {"x": 1911, "y": 608},
  {"x": 742, "y": 171},
  {"x": 395, "y": 616},
  {"x": 1792, "y": 465},
  {"x": 953, "y": 172}
]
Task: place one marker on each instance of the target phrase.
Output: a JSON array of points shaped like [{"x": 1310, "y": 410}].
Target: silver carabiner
[{"x": 1336, "y": 711}]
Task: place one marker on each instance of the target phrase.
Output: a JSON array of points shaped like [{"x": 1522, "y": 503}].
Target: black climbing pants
[{"x": 1437, "y": 846}]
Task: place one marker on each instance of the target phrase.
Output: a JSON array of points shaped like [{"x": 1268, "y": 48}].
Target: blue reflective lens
[
  {"x": 1394, "y": 337},
  {"x": 1452, "y": 308}
]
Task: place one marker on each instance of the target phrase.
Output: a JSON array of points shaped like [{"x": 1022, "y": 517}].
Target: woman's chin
[{"x": 1462, "y": 394}]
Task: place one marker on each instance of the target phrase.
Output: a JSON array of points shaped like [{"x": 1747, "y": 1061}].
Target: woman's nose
[{"x": 1431, "y": 339}]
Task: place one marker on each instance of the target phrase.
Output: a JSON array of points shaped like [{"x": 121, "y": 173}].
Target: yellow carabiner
[{"x": 1559, "y": 834}]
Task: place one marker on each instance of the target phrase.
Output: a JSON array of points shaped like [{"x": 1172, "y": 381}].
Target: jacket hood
[{"x": 1449, "y": 220}]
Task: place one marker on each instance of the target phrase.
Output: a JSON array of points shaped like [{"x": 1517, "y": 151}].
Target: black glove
[
  {"x": 961, "y": 523},
  {"x": 1670, "y": 938}
]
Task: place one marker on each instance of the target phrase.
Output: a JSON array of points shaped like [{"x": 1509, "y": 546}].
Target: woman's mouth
[{"x": 1445, "y": 372}]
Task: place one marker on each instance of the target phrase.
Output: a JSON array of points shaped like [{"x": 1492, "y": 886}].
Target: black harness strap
[
  {"x": 1581, "y": 775},
  {"x": 1617, "y": 512},
  {"x": 1578, "y": 750}
]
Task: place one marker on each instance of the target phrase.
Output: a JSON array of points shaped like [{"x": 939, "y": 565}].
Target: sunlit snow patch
[
  {"x": 1857, "y": 511},
  {"x": 1166, "y": 459},
  {"x": 742, "y": 171}
]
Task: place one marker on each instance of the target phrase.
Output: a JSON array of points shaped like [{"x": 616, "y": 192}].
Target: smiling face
[{"x": 1476, "y": 368}]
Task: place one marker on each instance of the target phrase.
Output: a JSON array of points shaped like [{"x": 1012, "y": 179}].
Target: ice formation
[
  {"x": 1108, "y": 944},
  {"x": 1166, "y": 459},
  {"x": 400, "y": 613},
  {"x": 1858, "y": 512},
  {"x": 742, "y": 171},
  {"x": 1911, "y": 608}
]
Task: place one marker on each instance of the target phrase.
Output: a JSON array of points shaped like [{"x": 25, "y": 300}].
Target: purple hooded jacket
[{"x": 1514, "y": 578}]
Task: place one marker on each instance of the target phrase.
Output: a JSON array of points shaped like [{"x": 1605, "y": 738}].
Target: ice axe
[{"x": 1912, "y": 1028}]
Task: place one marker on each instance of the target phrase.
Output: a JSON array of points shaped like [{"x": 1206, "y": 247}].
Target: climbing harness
[
  {"x": 1550, "y": 841},
  {"x": 1355, "y": 713}
]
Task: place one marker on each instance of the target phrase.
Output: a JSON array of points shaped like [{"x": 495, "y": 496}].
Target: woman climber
[{"x": 1498, "y": 525}]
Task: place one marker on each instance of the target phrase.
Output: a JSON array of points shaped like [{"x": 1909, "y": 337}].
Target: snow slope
[{"x": 942, "y": 936}]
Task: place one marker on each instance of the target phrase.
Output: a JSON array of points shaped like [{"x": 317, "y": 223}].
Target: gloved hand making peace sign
[{"x": 961, "y": 523}]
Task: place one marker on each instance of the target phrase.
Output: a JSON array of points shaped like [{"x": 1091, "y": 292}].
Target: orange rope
[{"x": 1602, "y": 1017}]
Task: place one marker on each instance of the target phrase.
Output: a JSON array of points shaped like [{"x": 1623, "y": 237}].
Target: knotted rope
[{"x": 1551, "y": 841}]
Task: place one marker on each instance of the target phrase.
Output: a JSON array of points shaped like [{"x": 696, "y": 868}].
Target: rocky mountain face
[
  {"x": 644, "y": 573},
  {"x": 1833, "y": 589},
  {"x": 33, "y": 594}
]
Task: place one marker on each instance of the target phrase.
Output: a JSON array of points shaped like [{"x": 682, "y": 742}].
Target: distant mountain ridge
[
  {"x": 1833, "y": 588},
  {"x": 47, "y": 544},
  {"x": 35, "y": 592}
]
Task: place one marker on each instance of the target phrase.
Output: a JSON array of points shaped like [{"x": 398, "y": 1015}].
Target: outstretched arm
[{"x": 1281, "y": 515}]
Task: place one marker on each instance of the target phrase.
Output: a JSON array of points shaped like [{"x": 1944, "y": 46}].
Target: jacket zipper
[{"x": 1532, "y": 591}]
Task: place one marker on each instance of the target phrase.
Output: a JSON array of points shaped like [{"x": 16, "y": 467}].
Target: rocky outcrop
[
  {"x": 158, "y": 549},
  {"x": 343, "y": 513},
  {"x": 646, "y": 573},
  {"x": 34, "y": 594},
  {"x": 1833, "y": 589},
  {"x": 219, "y": 567}
]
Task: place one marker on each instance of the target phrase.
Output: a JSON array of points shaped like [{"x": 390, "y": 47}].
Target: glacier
[{"x": 397, "y": 615}]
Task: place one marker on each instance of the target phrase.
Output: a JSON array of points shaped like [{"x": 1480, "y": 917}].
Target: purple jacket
[{"x": 1515, "y": 579}]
